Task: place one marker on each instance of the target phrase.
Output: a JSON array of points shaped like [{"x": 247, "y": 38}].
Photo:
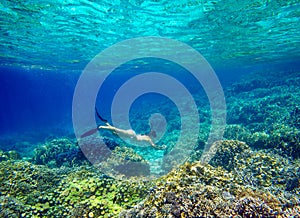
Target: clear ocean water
[{"x": 252, "y": 46}]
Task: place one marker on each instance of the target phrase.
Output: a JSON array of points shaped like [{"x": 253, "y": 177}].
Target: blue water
[
  {"x": 46, "y": 46},
  {"x": 37, "y": 104},
  {"x": 35, "y": 100}
]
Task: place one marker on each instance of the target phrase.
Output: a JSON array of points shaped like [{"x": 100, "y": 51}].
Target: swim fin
[
  {"x": 88, "y": 133},
  {"x": 98, "y": 115},
  {"x": 92, "y": 131}
]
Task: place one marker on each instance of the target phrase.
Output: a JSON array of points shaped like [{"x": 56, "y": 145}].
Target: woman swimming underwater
[{"x": 129, "y": 133}]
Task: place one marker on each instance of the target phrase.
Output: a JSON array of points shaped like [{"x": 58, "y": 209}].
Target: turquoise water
[
  {"x": 253, "y": 47},
  {"x": 66, "y": 35}
]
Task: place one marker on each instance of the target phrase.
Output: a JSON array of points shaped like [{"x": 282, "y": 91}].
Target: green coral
[
  {"x": 100, "y": 196},
  {"x": 128, "y": 154},
  {"x": 87, "y": 193},
  {"x": 29, "y": 190},
  {"x": 283, "y": 139},
  {"x": 125, "y": 162},
  {"x": 193, "y": 190},
  {"x": 227, "y": 151},
  {"x": 9, "y": 155},
  {"x": 24, "y": 183},
  {"x": 264, "y": 112}
]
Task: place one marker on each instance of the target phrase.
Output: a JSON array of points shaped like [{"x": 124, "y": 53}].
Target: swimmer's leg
[
  {"x": 92, "y": 131},
  {"x": 147, "y": 138},
  {"x": 108, "y": 127}
]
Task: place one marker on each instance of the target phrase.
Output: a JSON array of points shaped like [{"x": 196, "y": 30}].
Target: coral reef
[
  {"x": 58, "y": 152},
  {"x": 197, "y": 190},
  {"x": 227, "y": 152},
  {"x": 125, "y": 162},
  {"x": 51, "y": 188},
  {"x": 29, "y": 190},
  {"x": 9, "y": 155},
  {"x": 22, "y": 184},
  {"x": 263, "y": 111},
  {"x": 26, "y": 141},
  {"x": 283, "y": 139},
  {"x": 239, "y": 182},
  {"x": 100, "y": 196},
  {"x": 255, "y": 172},
  {"x": 256, "y": 168}
]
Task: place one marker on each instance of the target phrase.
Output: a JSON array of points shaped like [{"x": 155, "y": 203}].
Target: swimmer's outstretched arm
[
  {"x": 147, "y": 138},
  {"x": 163, "y": 147}
]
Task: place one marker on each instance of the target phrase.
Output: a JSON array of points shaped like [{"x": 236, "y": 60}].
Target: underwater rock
[
  {"x": 247, "y": 86},
  {"x": 261, "y": 169},
  {"x": 11, "y": 207},
  {"x": 237, "y": 132},
  {"x": 89, "y": 194},
  {"x": 74, "y": 155},
  {"x": 283, "y": 139},
  {"x": 294, "y": 118}
]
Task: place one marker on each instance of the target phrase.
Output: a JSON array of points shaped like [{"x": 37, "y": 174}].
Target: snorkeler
[{"x": 130, "y": 134}]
